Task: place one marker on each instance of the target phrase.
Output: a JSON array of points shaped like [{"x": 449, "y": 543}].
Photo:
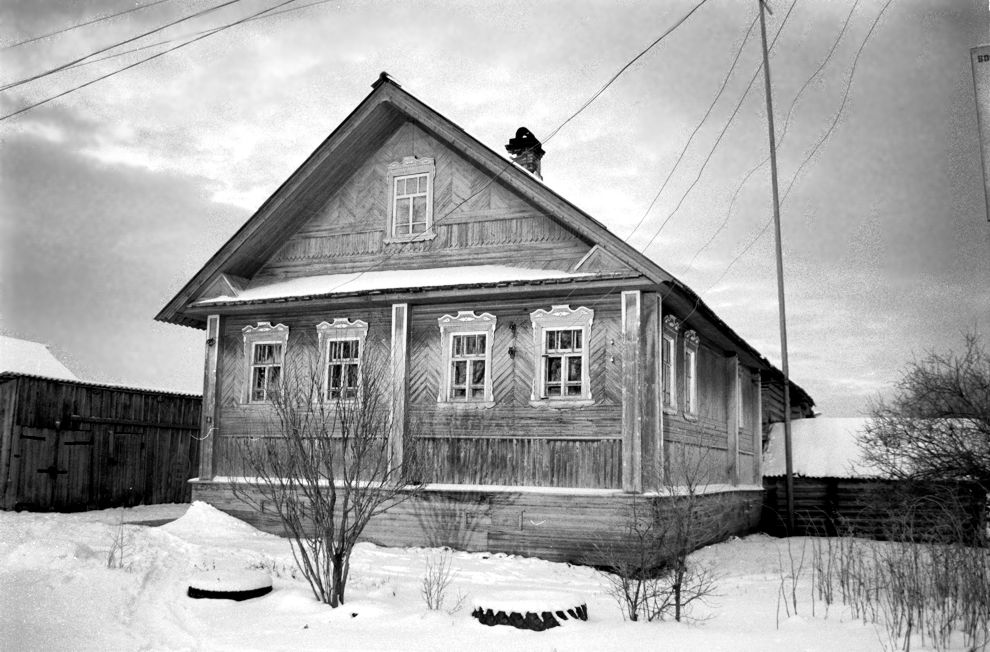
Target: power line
[
  {"x": 553, "y": 133},
  {"x": 697, "y": 128},
  {"x": 718, "y": 140},
  {"x": 88, "y": 22},
  {"x": 191, "y": 34},
  {"x": 783, "y": 135},
  {"x": 63, "y": 66},
  {"x": 814, "y": 150},
  {"x": 145, "y": 60},
  {"x": 626, "y": 67}
]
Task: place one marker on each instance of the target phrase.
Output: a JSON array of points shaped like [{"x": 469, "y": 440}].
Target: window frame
[
  {"x": 691, "y": 352},
  {"x": 410, "y": 166},
  {"x": 465, "y": 322},
  {"x": 341, "y": 329},
  {"x": 559, "y": 318},
  {"x": 253, "y": 336},
  {"x": 668, "y": 363}
]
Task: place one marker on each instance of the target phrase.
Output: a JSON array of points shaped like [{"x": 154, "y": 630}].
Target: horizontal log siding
[
  {"x": 477, "y": 221},
  {"x": 688, "y": 436},
  {"x": 555, "y": 526}
]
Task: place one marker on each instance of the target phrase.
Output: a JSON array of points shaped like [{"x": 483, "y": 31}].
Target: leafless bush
[
  {"x": 911, "y": 586},
  {"x": 118, "y": 545},
  {"x": 326, "y": 468},
  {"x": 647, "y": 566},
  {"x": 437, "y": 580}
]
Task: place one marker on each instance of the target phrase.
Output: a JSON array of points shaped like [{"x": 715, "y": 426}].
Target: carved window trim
[
  {"x": 263, "y": 333},
  {"x": 465, "y": 322},
  {"x": 691, "y": 347},
  {"x": 668, "y": 362},
  {"x": 341, "y": 329},
  {"x": 410, "y": 166},
  {"x": 558, "y": 318}
]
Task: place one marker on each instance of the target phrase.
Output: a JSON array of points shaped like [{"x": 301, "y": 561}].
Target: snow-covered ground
[{"x": 57, "y": 593}]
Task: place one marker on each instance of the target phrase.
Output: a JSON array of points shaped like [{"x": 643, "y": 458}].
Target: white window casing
[
  {"x": 466, "y": 341},
  {"x": 668, "y": 359},
  {"x": 342, "y": 353},
  {"x": 264, "y": 358},
  {"x": 561, "y": 347},
  {"x": 410, "y": 200},
  {"x": 691, "y": 373}
]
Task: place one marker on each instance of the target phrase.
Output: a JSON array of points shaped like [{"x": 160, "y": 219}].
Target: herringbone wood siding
[{"x": 477, "y": 221}]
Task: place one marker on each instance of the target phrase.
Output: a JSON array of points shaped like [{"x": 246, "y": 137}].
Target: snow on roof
[
  {"x": 821, "y": 448},
  {"x": 32, "y": 358},
  {"x": 393, "y": 279}
]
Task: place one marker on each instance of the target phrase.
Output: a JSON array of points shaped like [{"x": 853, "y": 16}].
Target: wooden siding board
[{"x": 348, "y": 232}]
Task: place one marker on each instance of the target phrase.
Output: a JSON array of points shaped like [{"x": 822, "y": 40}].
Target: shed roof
[
  {"x": 821, "y": 448},
  {"x": 34, "y": 358}
]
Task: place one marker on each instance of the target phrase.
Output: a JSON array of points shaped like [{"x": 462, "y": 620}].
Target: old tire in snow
[
  {"x": 229, "y": 585},
  {"x": 535, "y": 610}
]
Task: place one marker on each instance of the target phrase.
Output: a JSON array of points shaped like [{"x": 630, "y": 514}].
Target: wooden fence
[{"x": 70, "y": 446}]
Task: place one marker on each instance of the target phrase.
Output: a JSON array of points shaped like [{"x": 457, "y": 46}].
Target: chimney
[{"x": 526, "y": 151}]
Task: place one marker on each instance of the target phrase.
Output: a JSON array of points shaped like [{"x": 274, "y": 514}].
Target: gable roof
[
  {"x": 366, "y": 128},
  {"x": 32, "y": 358}
]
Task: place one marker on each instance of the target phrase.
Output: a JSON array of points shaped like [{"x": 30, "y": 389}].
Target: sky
[{"x": 114, "y": 195}]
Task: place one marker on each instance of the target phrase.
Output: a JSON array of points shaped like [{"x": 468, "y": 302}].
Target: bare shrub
[
  {"x": 437, "y": 580},
  {"x": 326, "y": 467},
  {"x": 647, "y": 565},
  {"x": 912, "y": 585},
  {"x": 118, "y": 545}
]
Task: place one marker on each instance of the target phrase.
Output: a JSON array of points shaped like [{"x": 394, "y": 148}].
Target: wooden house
[{"x": 547, "y": 369}]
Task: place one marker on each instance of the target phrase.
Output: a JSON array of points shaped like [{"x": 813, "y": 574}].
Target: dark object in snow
[
  {"x": 229, "y": 585},
  {"x": 495, "y": 611}
]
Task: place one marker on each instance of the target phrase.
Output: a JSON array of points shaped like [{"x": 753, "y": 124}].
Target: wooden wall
[
  {"x": 72, "y": 446},
  {"x": 559, "y": 526},
  {"x": 477, "y": 221},
  {"x": 511, "y": 443}
]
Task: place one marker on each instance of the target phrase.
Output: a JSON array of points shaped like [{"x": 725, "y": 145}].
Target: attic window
[{"x": 410, "y": 201}]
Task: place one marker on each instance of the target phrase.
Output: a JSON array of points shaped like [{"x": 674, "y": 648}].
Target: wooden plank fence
[{"x": 69, "y": 446}]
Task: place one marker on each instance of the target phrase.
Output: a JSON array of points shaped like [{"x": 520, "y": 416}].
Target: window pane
[
  {"x": 553, "y": 369},
  {"x": 574, "y": 369},
  {"x": 273, "y": 376},
  {"x": 259, "y": 378},
  {"x": 482, "y": 342},
  {"x": 401, "y": 229},
  {"x": 577, "y": 339},
  {"x": 335, "y": 372},
  {"x": 422, "y": 183},
  {"x": 460, "y": 372},
  {"x": 470, "y": 345},
  {"x": 553, "y": 390},
  {"x": 574, "y": 390},
  {"x": 478, "y": 372},
  {"x": 352, "y": 375},
  {"x": 459, "y": 392},
  {"x": 565, "y": 340},
  {"x": 419, "y": 227},
  {"x": 402, "y": 210},
  {"x": 551, "y": 340},
  {"x": 419, "y": 209}
]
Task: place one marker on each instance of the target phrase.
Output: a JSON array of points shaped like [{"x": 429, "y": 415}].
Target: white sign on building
[{"x": 981, "y": 81}]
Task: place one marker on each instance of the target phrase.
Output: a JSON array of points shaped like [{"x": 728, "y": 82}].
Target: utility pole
[{"x": 788, "y": 458}]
